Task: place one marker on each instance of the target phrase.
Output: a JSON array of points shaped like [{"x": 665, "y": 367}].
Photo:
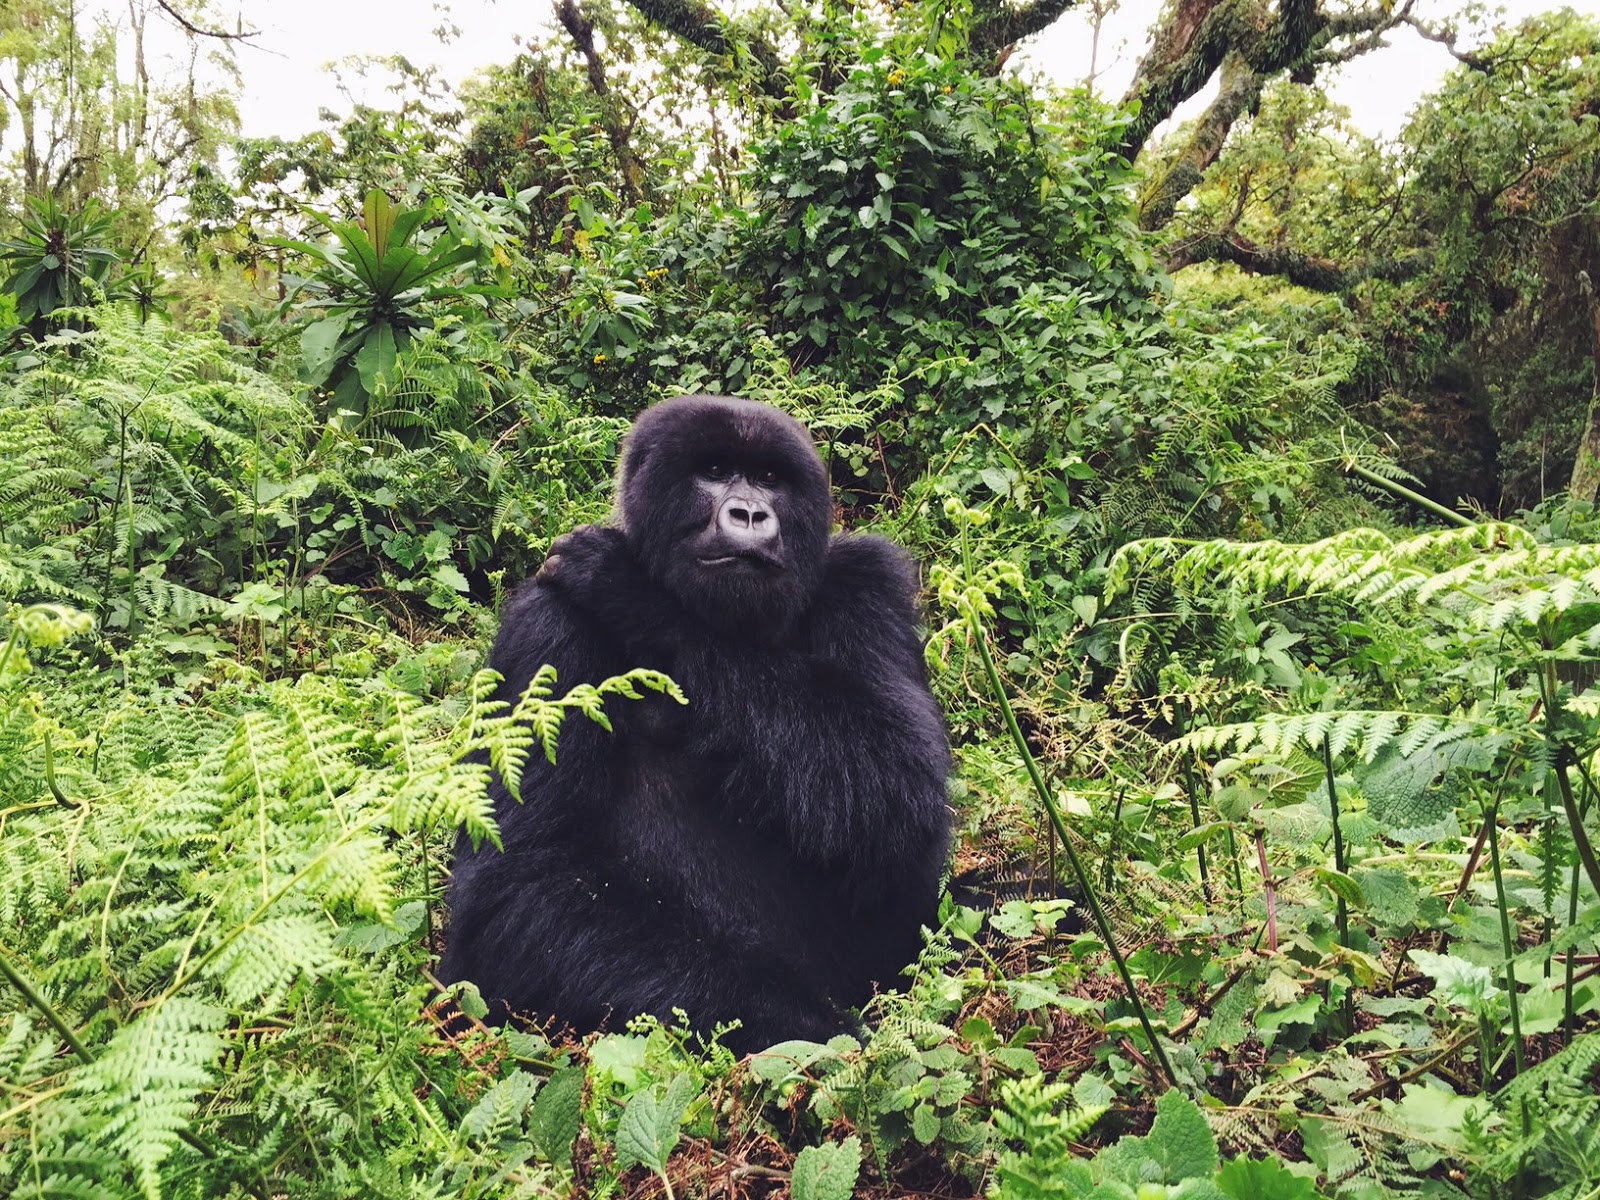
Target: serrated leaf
[
  {"x": 557, "y": 1116},
  {"x": 1263, "y": 1179},
  {"x": 1181, "y": 1140},
  {"x": 1179, "y": 1146},
  {"x": 1391, "y": 895},
  {"x": 1398, "y": 783},
  {"x": 648, "y": 1131},
  {"x": 826, "y": 1172},
  {"x": 785, "y": 1059}
]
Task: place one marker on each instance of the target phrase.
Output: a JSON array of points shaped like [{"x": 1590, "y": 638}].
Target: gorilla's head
[{"x": 726, "y": 503}]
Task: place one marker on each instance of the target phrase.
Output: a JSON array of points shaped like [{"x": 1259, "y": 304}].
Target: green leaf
[
  {"x": 1341, "y": 885},
  {"x": 1391, "y": 895},
  {"x": 1456, "y": 980},
  {"x": 557, "y": 1115},
  {"x": 1263, "y": 1179},
  {"x": 379, "y": 213},
  {"x": 648, "y": 1131},
  {"x": 376, "y": 358},
  {"x": 1179, "y": 1146},
  {"x": 1181, "y": 1140},
  {"x": 827, "y": 1172},
  {"x": 146, "y": 1082},
  {"x": 1399, "y": 787},
  {"x": 785, "y": 1059},
  {"x": 317, "y": 342}
]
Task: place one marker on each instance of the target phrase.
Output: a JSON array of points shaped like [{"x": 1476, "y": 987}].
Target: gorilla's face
[{"x": 726, "y": 503}]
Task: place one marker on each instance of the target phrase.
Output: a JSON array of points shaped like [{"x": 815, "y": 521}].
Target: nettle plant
[{"x": 1447, "y": 711}]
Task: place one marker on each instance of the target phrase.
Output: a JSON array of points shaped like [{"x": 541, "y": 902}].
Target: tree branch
[
  {"x": 581, "y": 29},
  {"x": 1446, "y": 37},
  {"x": 1185, "y": 51},
  {"x": 1307, "y": 270},
  {"x": 703, "y": 26},
  {"x": 1240, "y": 92},
  {"x": 1000, "y": 24},
  {"x": 242, "y": 35}
]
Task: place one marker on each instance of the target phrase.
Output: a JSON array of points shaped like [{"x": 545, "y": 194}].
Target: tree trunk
[{"x": 1585, "y": 483}]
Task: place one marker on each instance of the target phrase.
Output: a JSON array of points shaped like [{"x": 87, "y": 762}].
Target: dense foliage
[{"x": 1277, "y": 873}]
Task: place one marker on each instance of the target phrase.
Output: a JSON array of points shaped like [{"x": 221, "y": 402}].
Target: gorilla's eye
[
  {"x": 714, "y": 471},
  {"x": 769, "y": 476}
]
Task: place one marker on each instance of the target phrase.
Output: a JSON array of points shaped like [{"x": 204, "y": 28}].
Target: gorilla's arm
[
  {"x": 835, "y": 740},
  {"x": 847, "y": 748}
]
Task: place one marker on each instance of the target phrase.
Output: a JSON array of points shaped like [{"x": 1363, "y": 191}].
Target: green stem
[
  {"x": 32, "y": 995},
  {"x": 50, "y": 781},
  {"x": 1405, "y": 493},
  {"x": 1053, "y": 811},
  {"x": 1238, "y": 872},
  {"x": 1341, "y": 907},
  {"x": 1194, "y": 811},
  {"x": 5, "y": 651},
  {"x": 1507, "y": 943},
  {"x": 1568, "y": 1014},
  {"x": 1580, "y": 835},
  {"x": 133, "y": 595}
]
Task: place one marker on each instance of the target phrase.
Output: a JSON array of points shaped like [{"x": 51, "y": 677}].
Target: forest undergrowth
[{"x": 1278, "y": 862}]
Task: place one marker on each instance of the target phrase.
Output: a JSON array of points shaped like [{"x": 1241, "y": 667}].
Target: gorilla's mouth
[{"x": 733, "y": 561}]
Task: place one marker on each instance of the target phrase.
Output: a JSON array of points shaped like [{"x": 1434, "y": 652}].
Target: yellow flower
[
  {"x": 896, "y": 77},
  {"x": 598, "y": 359}
]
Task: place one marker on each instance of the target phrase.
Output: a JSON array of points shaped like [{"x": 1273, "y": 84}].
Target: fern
[{"x": 194, "y": 913}]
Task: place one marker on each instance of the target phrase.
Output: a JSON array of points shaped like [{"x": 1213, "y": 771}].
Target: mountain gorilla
[{"x": 767, "y": 853}]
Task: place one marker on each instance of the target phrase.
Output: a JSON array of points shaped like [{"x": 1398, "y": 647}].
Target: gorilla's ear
[{"x": 629, "y": 467}]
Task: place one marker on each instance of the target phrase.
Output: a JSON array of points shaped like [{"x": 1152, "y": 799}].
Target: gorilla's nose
[{"x": 745, "y": 519}]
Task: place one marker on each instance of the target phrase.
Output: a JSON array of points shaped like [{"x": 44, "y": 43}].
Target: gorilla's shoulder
[
  {"x": 531, "y": 602},
  {"x": 865, "y": 564},
  {"x": 537, "y": 626}
]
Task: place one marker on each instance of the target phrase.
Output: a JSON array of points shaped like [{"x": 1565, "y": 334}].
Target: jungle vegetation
[{"x": 1251, "y": 460}]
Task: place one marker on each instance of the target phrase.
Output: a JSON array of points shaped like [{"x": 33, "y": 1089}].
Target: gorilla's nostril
[{"x": 741, "y": 516}]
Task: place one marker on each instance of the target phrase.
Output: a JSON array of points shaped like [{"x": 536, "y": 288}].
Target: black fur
[{"x": 769, "y": 852}]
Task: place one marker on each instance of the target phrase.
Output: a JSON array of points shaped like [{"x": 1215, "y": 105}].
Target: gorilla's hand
[
  {"x": 589, "y": 565},
  {"x": 593, "y": 569}
]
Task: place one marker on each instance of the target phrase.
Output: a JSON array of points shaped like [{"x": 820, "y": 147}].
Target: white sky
[{"x": 286, "y": 82}]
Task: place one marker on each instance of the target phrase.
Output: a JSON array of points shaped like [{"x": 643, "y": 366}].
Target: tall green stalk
[
  {"x": 1507, "y": 942},
  {"x": 1341, "y": 907},
  {"x": 1053, "y": 810}
]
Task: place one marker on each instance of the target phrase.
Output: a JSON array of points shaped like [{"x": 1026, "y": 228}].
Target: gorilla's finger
[{"x": 550, "y": 569}]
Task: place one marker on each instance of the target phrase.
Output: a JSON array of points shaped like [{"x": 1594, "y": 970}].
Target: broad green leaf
[
  {"x": 648, "y": 1131},
  {"x": 557, "y": 1115},
  {"x": 1457, "y": 981},
  {"x": 1180, "y": 1146},
  {"x": 379, "y": 212},
  {"x": 827, "y": 1172},
  {"x": 785, "y": 1059},
  {"x": 1263, "y": 1179},
  {"x": 1391, "y": 896},
  {"x": 376, "y": 358},
  {"x": 317, "y": 343},
  {"x": 1181, "y": 1140}
]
